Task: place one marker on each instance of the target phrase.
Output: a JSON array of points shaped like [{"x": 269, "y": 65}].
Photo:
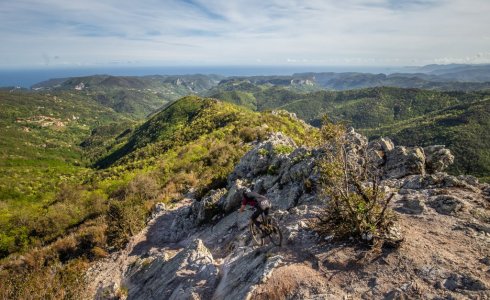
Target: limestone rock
[
  {"x": 404, "y": 161},
  {"x": 438, "y": 158},
  {"x": 208, "y": 206},
  {"x": 191, "y": 274},
  {"x": 233, "y": 199},
  {"x": 182, "y": 224},
  {"x": 266, "y": 157},
  {"x": 464, "y": 282},
  {"x": 242, "y": 274},
  {"x": 356, "y": 146},
  {"x": 412, "y": 204}
]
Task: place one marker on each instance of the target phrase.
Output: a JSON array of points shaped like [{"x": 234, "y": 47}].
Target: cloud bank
[{"x": 252, "y": 32}]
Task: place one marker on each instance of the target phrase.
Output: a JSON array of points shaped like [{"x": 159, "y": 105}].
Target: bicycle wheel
[
  {"x": 256, "y": 234},
  {"x": 275, "y": 235}
]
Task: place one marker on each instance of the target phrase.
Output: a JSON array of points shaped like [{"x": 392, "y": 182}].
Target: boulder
[
  {"x": 299, "y": 166},
  {"x": 191, "y": 274},
  {"x": 233, "y": 199},
  {"x": 404, "y": 161},
  {"x": 205, "y": 209},
  {"x": 183, "y": 223},
  {"x": 356, "y": 147},
  {"x": 437, "y": 158},
  {"x": 286, "y": 197},
  {"x": 440, "y": 180},
  {"x": 377, "y": 150},
  {"x": 393, "y": 236},
  {"x": 464, "y": 282}
]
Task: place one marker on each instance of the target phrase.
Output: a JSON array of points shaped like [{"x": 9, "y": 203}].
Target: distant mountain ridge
[
  {"x": 137, "y": 96},
  {"x": 440, "y": 77},
  {"x": 198, "y": 81}
]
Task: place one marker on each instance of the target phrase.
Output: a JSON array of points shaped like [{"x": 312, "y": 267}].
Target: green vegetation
[{"x": 40, "y": 155}]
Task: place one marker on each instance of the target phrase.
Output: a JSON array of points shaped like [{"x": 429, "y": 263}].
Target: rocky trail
[{"x": 201, "y": 248}]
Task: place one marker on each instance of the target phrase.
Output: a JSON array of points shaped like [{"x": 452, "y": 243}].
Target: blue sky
[{"x": 60, "y": 33}]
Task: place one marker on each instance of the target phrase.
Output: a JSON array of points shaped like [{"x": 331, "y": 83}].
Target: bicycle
[{"x": 268, "y": 228}]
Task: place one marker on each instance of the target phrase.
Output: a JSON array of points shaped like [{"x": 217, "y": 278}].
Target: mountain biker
[{"x": 257, "y": 201}]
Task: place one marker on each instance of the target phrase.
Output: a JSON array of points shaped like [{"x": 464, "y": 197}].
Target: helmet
[{"x": 245, "y": 190}]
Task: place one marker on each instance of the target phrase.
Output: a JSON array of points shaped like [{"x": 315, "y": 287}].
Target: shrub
[
  {"x": 247, "y": 134},
  {"x": 263, "y": 152},
  {"x": 124, "y": 219},
  {"x": 143, "y": 187},
  {"x": 356, "y": 206},
  {"x": 283, "y": 149}
]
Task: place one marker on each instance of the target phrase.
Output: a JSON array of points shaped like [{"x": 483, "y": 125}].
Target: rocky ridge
[{"x": 201, "y": 248}]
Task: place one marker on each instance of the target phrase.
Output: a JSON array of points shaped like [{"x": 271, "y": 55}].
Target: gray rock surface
[
  {"x": 241, "y": 274},
  {"x": 404, "y": 161},
  {"x": 265, "y": 158},
  {"x": 413, "y": 204},
  {"x": 207, "y": 207},
  {"x": 191, "y": 274},
  {"x": 437, "y": 158},
  {"x": 233, "y": 198},
  {"x": 400, "y": 161}
]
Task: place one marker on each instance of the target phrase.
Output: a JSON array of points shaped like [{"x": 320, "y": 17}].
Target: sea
[{"x": 25, "y": 78}]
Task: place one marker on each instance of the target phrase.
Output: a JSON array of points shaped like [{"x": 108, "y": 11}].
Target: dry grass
[{"x": 287, "y": 280}]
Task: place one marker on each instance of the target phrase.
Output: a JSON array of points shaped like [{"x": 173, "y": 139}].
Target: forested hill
[{"x": 410, "y": 116}]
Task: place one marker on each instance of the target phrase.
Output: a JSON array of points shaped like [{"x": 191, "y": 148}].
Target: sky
[{"x": 60, "y": 33}]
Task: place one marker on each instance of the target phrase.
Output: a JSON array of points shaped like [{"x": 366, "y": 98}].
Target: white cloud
[{"x": 186, "y": 32}]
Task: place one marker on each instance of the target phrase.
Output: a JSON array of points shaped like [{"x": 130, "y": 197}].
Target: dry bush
[
  {"x": 66, "y": 247},
  {"x": 144, "y": 187},
  {"x": 356, "y": 206},
  {"x": 49, "y": 280},
  {"x": 98, "y": 252},
  {"x": 68, "y": 193}
]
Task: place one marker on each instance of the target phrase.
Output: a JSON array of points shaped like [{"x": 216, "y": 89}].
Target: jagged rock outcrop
[
  {"x": 233, "y": 198},
  {"x": 277, "y": 168},
  {"x": 399, "y": 161},
  {"x": 265, "y": 158}
]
